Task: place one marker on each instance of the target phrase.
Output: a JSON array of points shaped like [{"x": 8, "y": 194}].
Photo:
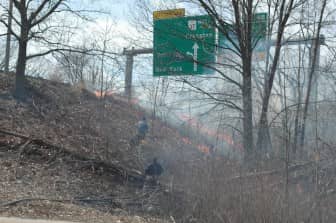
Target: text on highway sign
[{"x": 183, "y": 46}]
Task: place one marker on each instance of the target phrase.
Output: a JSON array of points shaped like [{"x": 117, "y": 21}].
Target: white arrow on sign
[{"x": 195, "y": 48}]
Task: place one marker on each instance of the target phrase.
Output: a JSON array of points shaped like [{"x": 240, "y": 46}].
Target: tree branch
[
  {"x": 42, "y": 18},
  {"x": 229, "y": 104}
]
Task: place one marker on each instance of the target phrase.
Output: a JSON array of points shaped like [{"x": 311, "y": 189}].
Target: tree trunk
[
  {"x": 247, "y": 117},
  {"x": 315, "y": 51},
  {"x": 264, "y": 140},
  {"x": 314, "y": 63},
  {"x": 298, "y": 112},
  {"x": 20, "y": 80},
  {"x": 244, "y": 33},
  {"x": 8, "y": 41}
]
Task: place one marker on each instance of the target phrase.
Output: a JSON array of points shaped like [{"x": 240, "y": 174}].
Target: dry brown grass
[{"x": 195, "y": 188}]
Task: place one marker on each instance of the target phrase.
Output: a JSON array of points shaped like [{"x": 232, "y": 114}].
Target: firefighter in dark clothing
[
  {"x": 142, "y": 128},
  {"x": 154, "y": 170}
]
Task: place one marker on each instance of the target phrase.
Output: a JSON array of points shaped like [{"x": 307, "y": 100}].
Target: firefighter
[
  {"x": 154, "y": 170},
  {"x": 142, "y": 129}
]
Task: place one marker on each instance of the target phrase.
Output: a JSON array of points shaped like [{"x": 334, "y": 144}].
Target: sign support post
[{"x": 129, "y": 68}]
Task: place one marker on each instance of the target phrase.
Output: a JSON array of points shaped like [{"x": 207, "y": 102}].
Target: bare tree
[
  {"x": 242, "y": 28},
  {"x": 282, "y": 11},
  {"x": 8, "y": 40},
  {"x": 40, "y": 22},
  {"x": 109, "y": 67},
  {"x": 31, "y": 15},
  {"x": 237, "y": 80},
  {"x": 73, "y": 65},
  {"x": 315, "y": 53}
]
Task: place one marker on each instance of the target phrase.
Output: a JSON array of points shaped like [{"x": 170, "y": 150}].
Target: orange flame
[
  {"x": 192, "y": 122},
  {"x": 186, "y": 141},
  {"x": 201, "y": 147},
  {"x": 100, "y": 94},
  {"x": 210, "y": 132}
]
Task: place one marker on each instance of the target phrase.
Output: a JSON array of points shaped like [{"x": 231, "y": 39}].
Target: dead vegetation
[
  {"x": 63, "y": 146},
  {"x": 64, "y": 154}
]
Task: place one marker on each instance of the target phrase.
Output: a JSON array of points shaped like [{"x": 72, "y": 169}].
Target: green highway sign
[
  {"x": 228, "y": 43},
  {"x": 259, "y": 26},
  {"x": 183, "y": 46},
  {"x": 259, "y": 32}
]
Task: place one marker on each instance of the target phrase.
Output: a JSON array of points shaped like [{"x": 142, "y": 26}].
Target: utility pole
[
  {"x": 10, "y": 13},
  {"x": 129, "y": 67}
]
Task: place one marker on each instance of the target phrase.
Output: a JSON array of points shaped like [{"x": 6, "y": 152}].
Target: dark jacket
[
  {"x": 142, "y": 127},
  {"x": 155, "y": 169}
]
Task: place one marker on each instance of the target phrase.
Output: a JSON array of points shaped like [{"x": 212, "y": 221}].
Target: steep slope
[{"x": 65, "y": 154}]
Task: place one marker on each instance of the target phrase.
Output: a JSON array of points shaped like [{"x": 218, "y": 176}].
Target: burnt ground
[{"x": 65, "y": 154}]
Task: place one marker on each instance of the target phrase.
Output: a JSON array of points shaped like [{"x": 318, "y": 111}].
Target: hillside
[{"x": 65, "y": 154}]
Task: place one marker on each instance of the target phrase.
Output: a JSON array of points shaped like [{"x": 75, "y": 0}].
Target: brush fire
[{"x": 192, "y": 122}]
